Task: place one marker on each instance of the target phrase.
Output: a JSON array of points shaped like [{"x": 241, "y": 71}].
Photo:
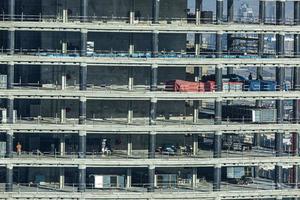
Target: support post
[
  {"x": 11, "y": 9},
  {"x": 219, "y": 11},
  {"x": 153, "y": 81},
  {"x": 195, "y": 144},
  {"x": 82, "y": 144},
  {"x": 132, "y": 12},
  {"x": 9, "y": 144},
  {"x": 219, "y": 44},
  {"x": 83, "y": 41},
  {"x": 194, "y": 177},
  {"x": 10, "y": 110},
  {"x": 198, "y": 11},
  {"x": 155, "y": 11},
  {"x": 130, "y": 102},
  {"x": 152, "y": 114},
  {"x": 152, "y": 144},
  {"x": 217, "y": 178},
  {"x": 84, "y": 10},
  {"x": 128, "y": 178},
  {"x": 155, "y": 41},
  {"x": 131, "y": 44},
  {"x": 230, "y": 19},
  {"x": 63, "y": 78},
  {"x": 63, "y": 112},
  {"x": 83, "y": 76},
  {"x": 129, "y": 145},
  {"x": 62, "y": 149},
  {"x": 81, "y": 178},
  {"x": 82, "y": 110},
  {"x": 151, "y": 178},
  {"x": 9, "y": 178},
  {"x": 218, "y": 144},
  {"x": 10, "y": 75}
]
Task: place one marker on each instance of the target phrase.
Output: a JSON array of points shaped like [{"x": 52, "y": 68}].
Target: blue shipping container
[
  {"x": 268, "y": 86},
  {"x": 253, "y": 85}
]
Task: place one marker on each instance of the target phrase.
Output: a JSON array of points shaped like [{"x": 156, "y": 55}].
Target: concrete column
[
  {"x": 219, "y": 44},
  {"x": 152, "y": 114},
  {"x": 132, "y": 12},
  {"x": 219, "y": 11},
  {"x": 196, "y": 111},
  {"x": 83, "y": 42},
  {"x": 230, "y": 10},
  {"x": 62, "y": 149},
  {"x": 63, "y": 78},
  {"x": 131, "y": 44},
  {"x": 152, "y": 145},
  {"x": 256, "y": 139},
  {"x": 153, "y": 81},
  {"x": 155, "y": 41},
  {"x": 280, "y": 76},
  {"x": 278, "y": 176},
  {"x": 129, "y": 145},
  {"x": 82, "y": 110},
  {"x": 230, "y": 19},
  {"x": 81, "y": 178},
  {"x": 11, "y": 41},
  {"x": 130, "y": 112},
  {"x": 82, "y": 144},
  {"x": 217, "y": 144},
  {"x": 9, "y": 178},
  {"x": 83, "y": 76},
  {"x": 128, "y": 178},
  {"x": 262, "y": 11},
  {"x": 155, "y": 11},
  {"x": 10, "y": 110},
  {"x": 10, "y": 75},
  {"x": 63, "y": 112},
  {"x": 84, "y": 10},
  {"x": 195, "y": 144},
  {"x": 9, "y": 144},
  {"x": 198, "y": 42},
  {"x": 130, "y": 88},
  {"x": 218, "y": 111},
  {"x": 295, "y": 146},
  {"x": 11, "y": 9},
  {"x": 217, "y": 178},
  {"x": 194, "y": 177},
  {"x": 218, "y": 78},
  {"x": 197, "y": 103},
  {"x": 151, "y": 178},
  {"x": 198, "y": 10}
]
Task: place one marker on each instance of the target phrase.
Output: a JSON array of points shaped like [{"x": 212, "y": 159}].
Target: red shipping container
[
  {"x": 210, "y": 86},
  {"x": 184, "y": 86}
]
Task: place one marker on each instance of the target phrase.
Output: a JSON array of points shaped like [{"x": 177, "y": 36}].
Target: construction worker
[
  {"x": 19, "y": 148},
  {"x": 250, "y": 77}
]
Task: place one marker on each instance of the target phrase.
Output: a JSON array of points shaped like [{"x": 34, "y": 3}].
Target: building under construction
[{"x": 111, "y": 99}]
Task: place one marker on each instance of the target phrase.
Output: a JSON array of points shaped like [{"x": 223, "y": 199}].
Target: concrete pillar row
[
  {"x": 9, "y": 178},
  {"x": 81, "y": 178},
  {"x": 152, "y": 145},
  {"x": 82, "y": 144},
  {"x": 151, "y": 178},
  {"x": 9, "y": 144},
  {"x": 217, "y": 178}
]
